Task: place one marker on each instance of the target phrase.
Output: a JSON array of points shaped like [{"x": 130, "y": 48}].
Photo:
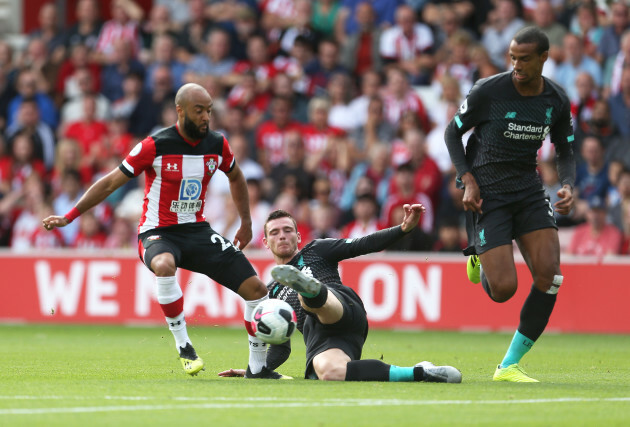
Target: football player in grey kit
[
  {"x": 512, "y": 113},
  {"x": 331, "y": 315}
]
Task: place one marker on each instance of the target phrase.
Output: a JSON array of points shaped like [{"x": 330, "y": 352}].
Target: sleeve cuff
[{"x": 72, "y": 214}]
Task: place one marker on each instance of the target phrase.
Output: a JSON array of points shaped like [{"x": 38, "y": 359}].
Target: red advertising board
[{"x": 424, "y": 291}]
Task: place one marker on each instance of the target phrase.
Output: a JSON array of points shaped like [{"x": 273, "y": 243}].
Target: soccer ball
[{"x": 274, "y": 321}]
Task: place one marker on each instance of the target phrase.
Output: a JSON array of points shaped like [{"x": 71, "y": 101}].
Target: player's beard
[{"x": 192, "y": 130}]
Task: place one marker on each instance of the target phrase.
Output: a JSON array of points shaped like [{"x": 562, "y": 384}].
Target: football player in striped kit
[{"x": 179, "y": 161}]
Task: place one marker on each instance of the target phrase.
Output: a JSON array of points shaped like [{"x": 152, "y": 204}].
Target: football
[{"x": 274, "y": 321}]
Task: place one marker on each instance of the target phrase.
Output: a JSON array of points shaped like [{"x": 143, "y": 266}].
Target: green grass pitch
[{"x": 119, "y": 376}]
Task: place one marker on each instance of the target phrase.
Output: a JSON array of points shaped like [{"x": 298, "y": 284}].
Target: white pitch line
[{"x": 278, "y": 403}]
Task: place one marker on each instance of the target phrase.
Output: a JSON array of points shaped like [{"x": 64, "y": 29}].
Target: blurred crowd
[{"x": 335, "y": 110}]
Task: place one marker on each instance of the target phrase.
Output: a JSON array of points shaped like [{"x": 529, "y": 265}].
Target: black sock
[
  {"x": 486, "y": 286},
  {"x": 367, "y": 370},
  {"x": 535, "y": 313},
  {"x": 318, "y": 300}
]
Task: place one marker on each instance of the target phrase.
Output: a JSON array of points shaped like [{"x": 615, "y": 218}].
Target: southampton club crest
[{"x": 212, "y": 166}]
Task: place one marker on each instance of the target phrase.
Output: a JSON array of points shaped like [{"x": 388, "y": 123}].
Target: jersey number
[{"x": 224, "y": 244}]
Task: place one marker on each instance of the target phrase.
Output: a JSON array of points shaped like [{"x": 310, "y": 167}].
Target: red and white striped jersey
[
  {"x": 395, "y": 45},
  {"x": 177, "y": 175}
]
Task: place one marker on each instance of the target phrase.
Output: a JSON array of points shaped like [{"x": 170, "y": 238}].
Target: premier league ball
[{"x": 274, "y": 321}]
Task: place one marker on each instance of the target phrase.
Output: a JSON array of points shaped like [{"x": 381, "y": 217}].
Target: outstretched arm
[
  {"x": 92, "y": 197},
  {"x": 337, "y": 250}
]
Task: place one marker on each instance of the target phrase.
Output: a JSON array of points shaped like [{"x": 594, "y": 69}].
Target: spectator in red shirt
[
  {"x": 90, "y": 133},
  {"x": 365, "y": 212},
  {"x": 122, "y": 235},
  {"x": 123, "y": 27},
  {"x": 360, "y": 51},
  {"x": 427, "y": 176},
  {"x": 410, "y": 45},
  {"x": 317, "y": 132},
  {"x": 257, "y": 62},
  {"x": 582, "y": 106},
  {"x": 25, "y": 216},
  {"x": 73, "y": 111},
  {"x": 247, "y": 96},
  {"x": 90, "y": 235},
  {"x": 400, "y": 97},
  {"x": 67, "y": 86},
  {"x": 20, "y": 164},
  {"x": 41, "y": 238},
  {"x": 67, "y": 158},
  {"x": 271, "y": 134},
  {"x": 405, "y": 193},
  {"x": 596, "y": 236}
]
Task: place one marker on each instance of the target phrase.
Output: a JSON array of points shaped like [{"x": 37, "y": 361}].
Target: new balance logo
[
  {"x": 171, "y": 167},
  {"x": 511, "y": 115}
]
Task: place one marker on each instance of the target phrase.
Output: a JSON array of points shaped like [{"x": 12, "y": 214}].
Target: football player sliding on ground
[{"x": 331, "y": 315}]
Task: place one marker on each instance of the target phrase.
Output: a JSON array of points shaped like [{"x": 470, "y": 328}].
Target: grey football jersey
[{"x": 509, "y": 129}]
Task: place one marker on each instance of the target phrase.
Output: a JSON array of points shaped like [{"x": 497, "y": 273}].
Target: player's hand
[
  {"x": 233, "y": 373},
  {"x": 54, "y": 221},
  {"x": 566, "y": 202},
  {"x": 412, "y": 216},
  {"x": 472, "y": 196},
  {"x": 243, "y": 236}
]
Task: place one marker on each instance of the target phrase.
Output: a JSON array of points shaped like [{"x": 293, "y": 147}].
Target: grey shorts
[{"x": 506, "y": 217}]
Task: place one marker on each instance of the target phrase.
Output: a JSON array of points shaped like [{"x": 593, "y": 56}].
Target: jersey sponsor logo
[
  {"x": 526, "y": 132},
  {"x": 172, "y": 167},
  {"x": 136, "y": 150},
  {"x": 185, "y": 207},
  {"x": 190, "y": 189},
  {"x": 189, "y": 193}
]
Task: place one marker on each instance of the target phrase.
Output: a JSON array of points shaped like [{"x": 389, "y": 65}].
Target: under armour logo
[
  {"x": 171, "y": 167},
  {"x": 179, "y": 322}
]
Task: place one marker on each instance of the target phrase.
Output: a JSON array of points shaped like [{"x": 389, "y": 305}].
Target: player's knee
[
  {"x": 331, "y": 370},
  {"x": 504, "y": 292},
  {"x": 252, "y": 289},
  {"x": 552, "y": 287},
  {"x": 163, "y": 265}
]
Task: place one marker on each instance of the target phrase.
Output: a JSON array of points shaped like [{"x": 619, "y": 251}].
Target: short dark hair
[
  {"x": 405, "y": 167},
  {"x": 278, "y": 213},
  {"x": 533, "y": 35}
]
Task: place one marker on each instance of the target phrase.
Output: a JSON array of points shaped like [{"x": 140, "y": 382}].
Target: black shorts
[
  {"x": 348, "y": 334},
  {"x": 506, "y": 217},
  {"x": 197, "y": 247}
]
